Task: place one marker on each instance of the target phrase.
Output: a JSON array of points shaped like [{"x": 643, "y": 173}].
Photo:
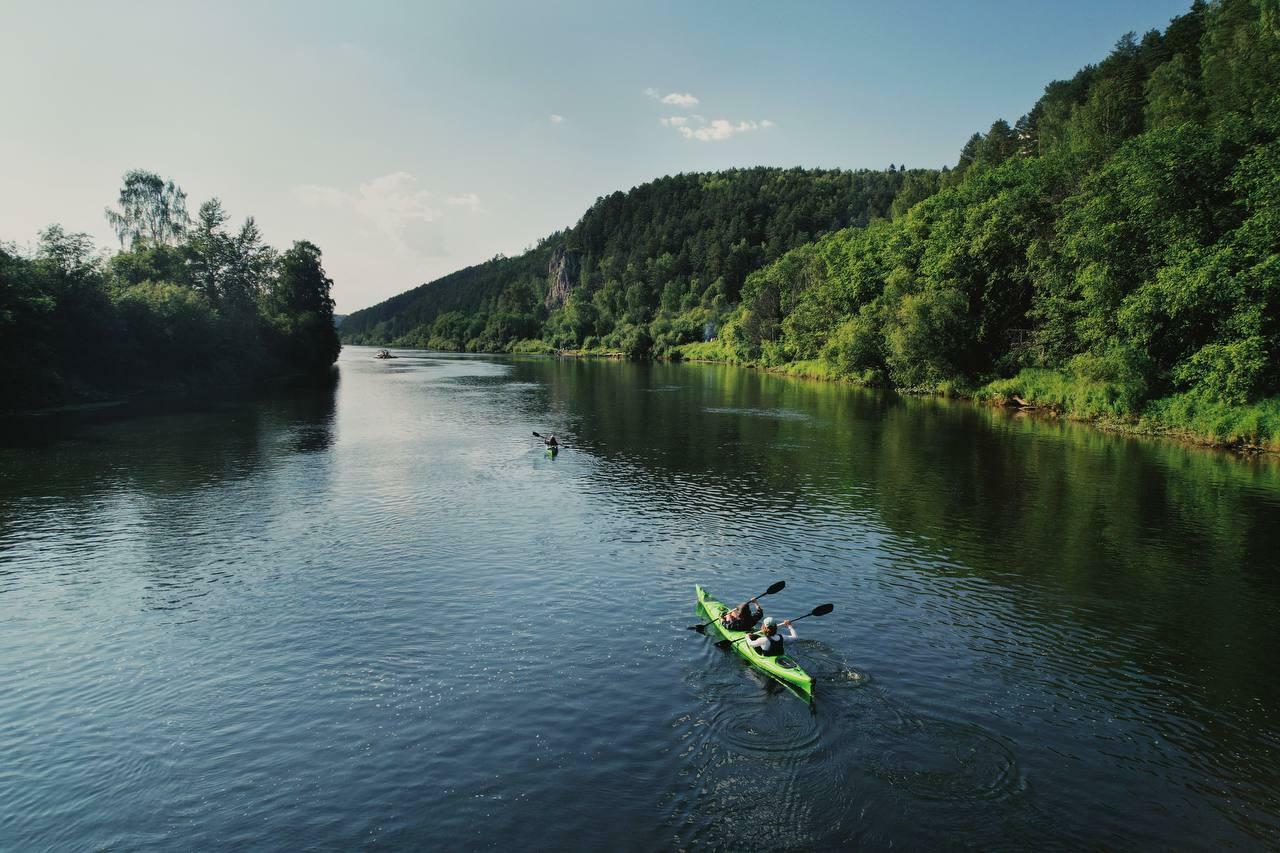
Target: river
[{"x": 379, "y": 615}]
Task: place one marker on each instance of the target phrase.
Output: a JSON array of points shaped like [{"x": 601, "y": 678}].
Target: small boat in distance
[{"x": 382, "y": 353}]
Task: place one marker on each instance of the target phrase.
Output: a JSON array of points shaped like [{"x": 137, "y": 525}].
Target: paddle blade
[
  {"x": 535, "y": 432},
  {"x": 777, "y": 587},
  {"x": 822, "y": 609},
  {"x": 724, "y": 644},
  {"x": 699, "y": 628}
]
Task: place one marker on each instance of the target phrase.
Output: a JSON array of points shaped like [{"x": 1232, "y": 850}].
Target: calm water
[{"x": 381, "y": 616}]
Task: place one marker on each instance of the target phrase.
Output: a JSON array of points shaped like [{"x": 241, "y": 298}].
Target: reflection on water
[{"x": 380, "y": 613}]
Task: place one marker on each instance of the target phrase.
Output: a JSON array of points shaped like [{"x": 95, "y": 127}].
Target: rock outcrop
[{"x": 562, "y": 274}]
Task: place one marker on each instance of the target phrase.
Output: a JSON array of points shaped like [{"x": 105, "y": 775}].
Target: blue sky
[{"x": 411, "y": 139}]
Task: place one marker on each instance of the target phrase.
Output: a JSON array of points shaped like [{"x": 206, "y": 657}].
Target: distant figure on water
[
  {"x": 769, "y": 642},
  {"x": 551, "y": 440},
  {"x": 743, "y": 617}
]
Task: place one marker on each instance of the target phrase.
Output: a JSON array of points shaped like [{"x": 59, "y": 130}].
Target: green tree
[
  {"x": 302, "y": 306},
  {"x": 1173, "y": 95},
  {"x": 208, "y": 251},
  {"x": 150, "y": 208},
  {"x": 248, "y": 268}
]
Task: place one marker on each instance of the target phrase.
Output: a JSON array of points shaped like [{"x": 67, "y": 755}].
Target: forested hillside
[
  {"x": 657, "y": 263},
  {"x": 1116, "y": 253},
  {"x": 184, "y": 305}
]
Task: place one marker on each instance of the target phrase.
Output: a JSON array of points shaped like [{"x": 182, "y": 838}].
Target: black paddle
[
  {"x": 777, "y": 587},
  {"x": 820, "y": 610}
]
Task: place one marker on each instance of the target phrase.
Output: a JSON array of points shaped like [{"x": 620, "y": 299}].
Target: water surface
[{"x": 380, "y": 615}]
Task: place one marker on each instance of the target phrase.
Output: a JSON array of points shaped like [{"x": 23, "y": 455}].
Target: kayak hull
[{"x": 782, "y": 668}]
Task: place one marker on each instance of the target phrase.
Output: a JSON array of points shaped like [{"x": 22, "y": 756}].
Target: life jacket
[{"x": 775, "y": 647}]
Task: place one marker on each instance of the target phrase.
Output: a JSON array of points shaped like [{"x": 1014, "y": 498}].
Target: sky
[{"x": 410, "y": 139}]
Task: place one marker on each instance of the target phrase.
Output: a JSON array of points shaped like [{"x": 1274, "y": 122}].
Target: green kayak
[{"x": 783, "y": 667}]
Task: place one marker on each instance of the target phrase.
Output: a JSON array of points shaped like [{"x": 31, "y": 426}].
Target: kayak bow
[{"x": 784, "y": 668}]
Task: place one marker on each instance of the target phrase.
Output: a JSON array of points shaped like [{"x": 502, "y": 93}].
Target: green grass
[
  {"x": 811, "y": 369},
  {"x": 1069, "y": 394},
  {"x": 1255, "y": 425},
  {"x": 593, "y": 352},
  {"x": 532, "y": 346},
  {"x": 713, "y": 350},
  {"x": 1189, "y": 416}
]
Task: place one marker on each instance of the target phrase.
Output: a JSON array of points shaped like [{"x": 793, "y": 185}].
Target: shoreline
[
  {"x": 89, "y": 403},
  {"x": 1113, "y": 425}
]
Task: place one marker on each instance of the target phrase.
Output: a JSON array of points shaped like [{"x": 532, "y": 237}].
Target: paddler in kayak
[
  {"x": 550, "y": 441},
  {"x": 743, "y": 617},
  {"x": 769, "y": 642}
]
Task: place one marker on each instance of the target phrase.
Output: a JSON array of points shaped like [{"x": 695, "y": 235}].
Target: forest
[
  {"x": 643, "y": 271},
  {"x": 185, "y": 304},
  {"x": 1113, "y": 254}
]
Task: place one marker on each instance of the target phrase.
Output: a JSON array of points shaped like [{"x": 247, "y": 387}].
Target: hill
[
  {"x": 1115, "y": 254},
  {"x": 660, "y": 261}
]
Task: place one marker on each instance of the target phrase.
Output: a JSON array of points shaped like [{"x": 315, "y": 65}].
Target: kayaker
[
  {"x": 551, "y": 441},
  {"x": 769, "y": 642},
  {"x": 743, "y": 617}
]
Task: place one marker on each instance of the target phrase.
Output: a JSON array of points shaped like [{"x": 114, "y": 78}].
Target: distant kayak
[{"x": 784, "y": 668}]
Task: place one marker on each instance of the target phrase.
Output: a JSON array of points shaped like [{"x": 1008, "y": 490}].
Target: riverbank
[
  {"x": 88, "y": 401},
  {"x": 1184, "y": 418},
  {"x": 1187, "y": 418}
]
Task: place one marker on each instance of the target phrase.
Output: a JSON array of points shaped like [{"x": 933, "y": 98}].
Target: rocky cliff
[{"x": 562, "y": 274}]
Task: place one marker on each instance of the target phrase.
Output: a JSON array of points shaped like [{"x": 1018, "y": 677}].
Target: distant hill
[{"x": 677, "y": 247}]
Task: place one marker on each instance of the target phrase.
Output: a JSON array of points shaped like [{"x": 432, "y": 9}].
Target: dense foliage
[
  {"x": 1116, "y": 253},
  {"x": 660, "y": 263},
  {"x": 186, "y": 305}
]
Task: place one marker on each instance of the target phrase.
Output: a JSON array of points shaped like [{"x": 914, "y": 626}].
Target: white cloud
[
  {"x": 674, "y": 99},
  {"x": 721, "y": 129},
  {"x": 393, "y": 205},
  {"x": 555, "y": 119},
  {"x": 470, "y": 200},
  {"x": 393, "y": 202},
  {"x": 695, "y": 126},
  {"x": 677, "y": 99}
]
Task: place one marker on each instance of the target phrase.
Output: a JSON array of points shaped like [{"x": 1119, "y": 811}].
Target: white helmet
[{"x": 768, "y": 620}]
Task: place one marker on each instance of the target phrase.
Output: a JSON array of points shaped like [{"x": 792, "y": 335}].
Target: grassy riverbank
[{"x": 1184, "y": 417}]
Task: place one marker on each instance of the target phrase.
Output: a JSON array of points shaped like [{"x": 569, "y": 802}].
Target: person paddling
[
  {"x": 769, "y": 642},
  {"x": 743, "y": 617},
  {"x": 550, "y": 441}
]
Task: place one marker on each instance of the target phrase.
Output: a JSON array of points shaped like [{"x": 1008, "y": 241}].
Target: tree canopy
[
  {"x": 1123, "y": 238},
  {"x": 187, "y": 305},
  {"x": 670, "y": 253},
  {"x": 1113, "y": 252}
]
